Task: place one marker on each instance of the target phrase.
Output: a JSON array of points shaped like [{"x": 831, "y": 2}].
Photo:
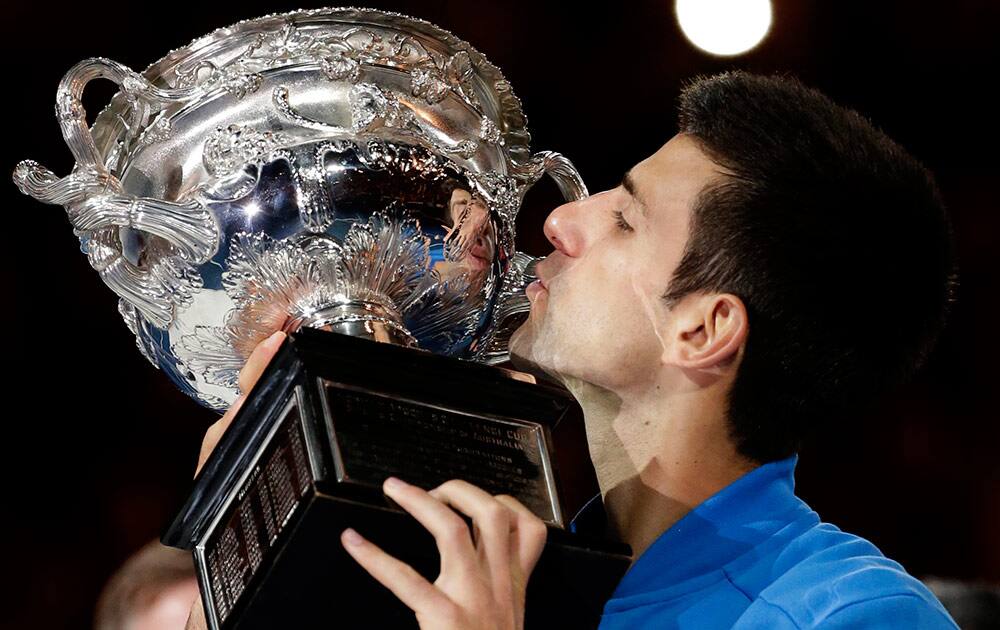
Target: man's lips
[
  {"x": 533, "y": 289},
  {"x": 478, "y": 262},
  {"x": 540, "y": 273},
  {"x": 539, "y": 284}
]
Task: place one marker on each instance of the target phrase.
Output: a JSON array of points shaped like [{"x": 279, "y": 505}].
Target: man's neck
[{"x": 657, "y": 457}]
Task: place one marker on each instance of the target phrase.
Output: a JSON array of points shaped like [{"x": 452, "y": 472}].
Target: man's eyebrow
[{"x": 629, "y": 185}]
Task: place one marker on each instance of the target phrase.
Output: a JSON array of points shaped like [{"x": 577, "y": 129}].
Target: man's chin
[{"x": 524, "y": 363}]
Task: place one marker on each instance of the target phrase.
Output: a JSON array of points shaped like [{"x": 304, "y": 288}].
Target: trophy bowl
[{"x": 346, "y": 169}]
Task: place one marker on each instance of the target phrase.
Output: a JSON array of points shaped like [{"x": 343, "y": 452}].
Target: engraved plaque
[
  {"x": 376, "y": 436},
  {"x": 266, "y": 499}
]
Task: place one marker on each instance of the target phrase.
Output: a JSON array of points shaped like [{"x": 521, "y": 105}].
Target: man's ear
[{"x": 707, "y": 332}]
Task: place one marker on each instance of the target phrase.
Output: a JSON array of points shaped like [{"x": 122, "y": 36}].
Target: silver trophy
[
  {"x": 319, "y": 172},
  {"x": 345, "y": 169}
]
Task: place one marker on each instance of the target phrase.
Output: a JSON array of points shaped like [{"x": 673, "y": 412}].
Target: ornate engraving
[
  {"x": 210, "y": 352},
  {"x": 228, "y": 150},
  {"x": 500, "y": 192},
  {"x": 157, "y": 132},
  {"x": 342, "y": 55},
  {"x": 489, "y": 132},
  {"x": 340, "y": 67},
  {"x": 131, "y": 318},
  {"x": 371, "y": 105}
]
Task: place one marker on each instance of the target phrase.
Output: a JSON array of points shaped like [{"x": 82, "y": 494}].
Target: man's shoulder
[{"x": 825, "y": 577}]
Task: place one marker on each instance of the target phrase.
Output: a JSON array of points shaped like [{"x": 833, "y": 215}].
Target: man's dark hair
[{"x": 833, "y": 236}]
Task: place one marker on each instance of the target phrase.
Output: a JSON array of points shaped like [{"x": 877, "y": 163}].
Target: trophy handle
[
  {"x": 98, "y": 207},
  {"x": 558, "y": 167},
  {"x": 513, "y": 305}
]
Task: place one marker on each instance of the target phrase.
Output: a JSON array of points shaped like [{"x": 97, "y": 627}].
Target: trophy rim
[{"x": 510, "y": 113}]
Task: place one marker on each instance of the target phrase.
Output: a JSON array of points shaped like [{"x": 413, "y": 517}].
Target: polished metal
[{"x": 342, "y": 168}]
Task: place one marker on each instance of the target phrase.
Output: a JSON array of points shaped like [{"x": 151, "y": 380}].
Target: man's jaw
[{"x": 525, "y": 363}]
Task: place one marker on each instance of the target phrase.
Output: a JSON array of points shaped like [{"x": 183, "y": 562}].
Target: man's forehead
[{"x": 676, "y": 173}]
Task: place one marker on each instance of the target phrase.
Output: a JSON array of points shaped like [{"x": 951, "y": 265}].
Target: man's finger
[
  {"x": 196, "y": 618},
  {"x": 494, "y": 522},
  {"x": 248, "y": 377},
  {"x": 214, "y": 433},
  {"x": 450, "y": 532},
  {"x": 258, "y": 360},
  {"x": 529, "y": 533},
  {"x": 409, "y": 586}
]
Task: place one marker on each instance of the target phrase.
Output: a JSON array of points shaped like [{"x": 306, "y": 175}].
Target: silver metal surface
[{"x": 342, "y": 168}]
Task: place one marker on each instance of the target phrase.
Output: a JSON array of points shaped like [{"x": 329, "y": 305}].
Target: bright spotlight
[{"x": 724, "y": 27}]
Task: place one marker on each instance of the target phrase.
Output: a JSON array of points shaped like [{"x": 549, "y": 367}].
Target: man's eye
[{"x": 621, "y": 223}]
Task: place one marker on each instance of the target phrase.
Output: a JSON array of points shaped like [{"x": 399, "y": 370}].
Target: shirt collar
[{"x": 724, "y": 527}]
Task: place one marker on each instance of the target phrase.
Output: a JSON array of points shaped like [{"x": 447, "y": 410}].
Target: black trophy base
[
  {"x": 333, "y": 416},
  {"x": 313, "y": 583}
]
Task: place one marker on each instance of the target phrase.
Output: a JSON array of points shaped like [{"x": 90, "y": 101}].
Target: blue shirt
[{"x": 756, "y": 556}]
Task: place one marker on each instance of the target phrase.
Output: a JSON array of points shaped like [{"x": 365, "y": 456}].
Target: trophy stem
[{"x": 356, "y": 318}]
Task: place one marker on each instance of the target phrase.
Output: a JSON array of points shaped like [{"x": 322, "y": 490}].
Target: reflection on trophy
[
  {"x": 349, "y": 176},
  {"x": 469, "y": 229}
]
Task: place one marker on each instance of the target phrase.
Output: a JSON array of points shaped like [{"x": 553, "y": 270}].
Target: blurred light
[
  {"x": 724, "y": 27},
  {"x": 251, "y": 209}
]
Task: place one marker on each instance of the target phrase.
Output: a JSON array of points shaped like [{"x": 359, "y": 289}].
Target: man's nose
[
  {"x": 565, "y": 227},
  {"x": 557, "y": 229}
]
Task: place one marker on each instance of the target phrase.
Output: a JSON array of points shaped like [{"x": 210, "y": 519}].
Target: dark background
[{"x": 99, "y": 448}]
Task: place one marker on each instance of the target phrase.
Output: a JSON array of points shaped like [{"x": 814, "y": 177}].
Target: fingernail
[
  {"x": 276, "y": 338},
  {"x": 392, "y": 484},
  {"x": 352, "y": 537}
]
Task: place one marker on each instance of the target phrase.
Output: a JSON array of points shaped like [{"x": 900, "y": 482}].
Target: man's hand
[
  {"x": 483, "y": 577},
  {"x": 251, "y": 371}
]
